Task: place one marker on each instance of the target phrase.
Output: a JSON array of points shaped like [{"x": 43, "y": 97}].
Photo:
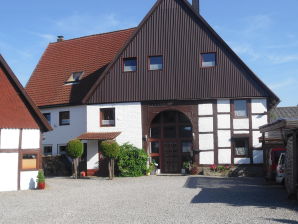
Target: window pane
[
  {"x": 186, "y": 146},
  {"x": 241, "y": 147},
  {"x": 185, "y": 131},
  {"x": 156, "y": 63},
  {"x": 183, "y": 119},
  {"x": 62, "y": 149},
  {"x": 154, "y": 147},
  {"x": 170, "y": 132},
  {"x": 169, "y": 116},
  {"x": 29, "y": 161},
  {"x": 130, "y": 64},
  {"x": 108, "y": 117},
  {"x": 240, "y": 108},
  {"x": 47, "y": 150},
  {"x": 64, "y": 118},
  {"x": 208, "y": 60},
  {"x": 47, "y": 116},
  {"x": 157, "y": 119},
  {"x": 155, "y": 132}
]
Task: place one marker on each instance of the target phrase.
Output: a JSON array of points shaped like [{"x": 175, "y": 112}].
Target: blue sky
[{"x": 264, "y": 33}]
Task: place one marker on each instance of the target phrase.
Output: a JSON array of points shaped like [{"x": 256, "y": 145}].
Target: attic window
[
  {"x": 74, "y": 78},
  {"x": 130, "y": 64},
  {"x": 208, "y": 60}
]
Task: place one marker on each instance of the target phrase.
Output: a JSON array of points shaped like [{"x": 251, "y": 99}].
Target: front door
[{"x": 171, "y": 157}]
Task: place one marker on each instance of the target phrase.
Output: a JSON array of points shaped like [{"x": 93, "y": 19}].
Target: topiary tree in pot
[
  {"x": 111, "y": 150},
  {"x": 75, "y": 150},
  {"x": 41, "y": 182}
]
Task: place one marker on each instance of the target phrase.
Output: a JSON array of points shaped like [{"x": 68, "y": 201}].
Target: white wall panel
[
  {"x": 223, "y": 121},
  {"x": 258, "y": 120},
  {"x": 255, "y": 139},
  {"x": 10, "y": 138},
  {"x": 28, "y": 180},
  {"x": 258, "y": 105},
  {"x": 206, "y": 141},
  {"x": 240, "y": 161},
  {"x": 224, "y": 156},
  {"x": 224, "y": 139},
  {"x": 223, "y": 106},
  {"x": 240, "y": 132},
  {"x": 206, "y": 124},
  {"x": 258, "y": 156},
  {"x": 30, "y": 139},
  {"x": 207, "y": 158},
  {"x": 9, "y": 171},
  {"x": 205, "y": 109},
  {"x": 241, "y": 123}
]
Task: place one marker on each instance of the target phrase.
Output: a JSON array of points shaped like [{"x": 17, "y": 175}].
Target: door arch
[{"x": 170, "y": 140}]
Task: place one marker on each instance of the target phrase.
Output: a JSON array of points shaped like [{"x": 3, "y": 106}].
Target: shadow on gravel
[
  {"x": 283, "y": 221},
  {"x": 240, "y": 192}
]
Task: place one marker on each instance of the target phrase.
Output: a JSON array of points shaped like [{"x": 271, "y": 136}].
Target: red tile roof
[
  {"x": 99, "y": 136},
  {"x": 90, "y": 54},
  {"x": 16, "y": 108}
]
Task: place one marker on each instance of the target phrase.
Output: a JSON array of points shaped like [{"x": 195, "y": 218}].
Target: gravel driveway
[{"x": 161, "y": 199}]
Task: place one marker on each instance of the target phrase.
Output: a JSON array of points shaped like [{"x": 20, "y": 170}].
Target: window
[
  {"x": 186, "y": 146},
  {"x": 240, "y": 108},
  {"x": 64, "y": 118},
  {"x": 155, "y": 63},
  {"x": 47, "y": 150},
  {"x": 48, "y": 117},
  {"x": 107, "y": 117},
  {"x": 29, "y": 161},
  {"x": 241, "y": 147},
  {"x": 74, "y": 78},
  {"x": 130, "y": 64},
  {"x": 61, "y": 149},
  {"x": 208, "y": 59}
]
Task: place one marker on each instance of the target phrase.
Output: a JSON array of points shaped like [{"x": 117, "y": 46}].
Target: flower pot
[
  {"x": 183, "y": 171},
  {"x": 41, "y": 185}
]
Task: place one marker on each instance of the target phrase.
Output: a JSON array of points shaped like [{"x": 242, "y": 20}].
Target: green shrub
[
  {"x": 110, "y": 149},
  {"x": 132, "y": 162},
  {"x": 75, "y": 149},
  {"x": 40, "y": 176}
]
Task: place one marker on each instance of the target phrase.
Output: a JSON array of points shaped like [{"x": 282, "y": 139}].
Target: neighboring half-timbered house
[
  {"x": 21, "y": 126},
  {"x": 171, "y": 86}
]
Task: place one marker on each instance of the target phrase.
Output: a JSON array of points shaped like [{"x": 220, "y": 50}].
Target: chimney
[
  {"x": 196, "y": 5},
  {"x": 60, "y": 38}
]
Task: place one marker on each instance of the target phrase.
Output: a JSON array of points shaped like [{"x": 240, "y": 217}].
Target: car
[
  {"x": 272, "y": 161},
  {"x": 280, "y": 169}
]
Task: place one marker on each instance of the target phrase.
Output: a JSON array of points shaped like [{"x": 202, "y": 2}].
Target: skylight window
[{"x": 75, "y": 78}]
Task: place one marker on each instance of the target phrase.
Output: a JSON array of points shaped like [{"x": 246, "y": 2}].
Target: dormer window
[
  {"x": 130, "y": 64},
  {"x": 208, "y": 60},
  {"x": 75, "y": 78}
]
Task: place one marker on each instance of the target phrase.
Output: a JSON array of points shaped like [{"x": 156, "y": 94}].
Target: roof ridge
[{"x": 92, "y": 35}]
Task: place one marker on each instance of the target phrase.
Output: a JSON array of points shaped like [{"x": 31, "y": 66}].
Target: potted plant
[
  {"x": 41, "y": 183},
  {"x": 186, "y": 167}
]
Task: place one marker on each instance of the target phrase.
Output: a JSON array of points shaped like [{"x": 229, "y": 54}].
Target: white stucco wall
[
  {"x": 223, "y": 106},
  {"x": 28, "y": 180},
  {"x": 258, "y": 121},
  {"x": 240, "y": 132},
  {"x": 92, "y": 155},
  {"x": 9, "y": 139},
  {"x": 224, "y": 156},
  {"x": 205, "y": 109},
  {"x": 258, "y": 156},
  {"x": 206, "y": 141},
  {"x": 30, "y": 139},
  {"x": 9, "y": 171},
  {"x": 206, "y": 124},
  {"x": 224, "y": 138},
  {"x": 258, "y": 105},
  {"x": 207, "y": 158},
  {"x": 255, "y": 139},
  {"x": 224, "y": 121},
  {"x": 241, "y": 123},
  {"x": 62, "y": 134},
  {"x": 128, "y": 122}
]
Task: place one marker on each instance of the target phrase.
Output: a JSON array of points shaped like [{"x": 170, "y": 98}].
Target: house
[
  {"x": 21, "y": 126},
  {"x": 171, "y": 86}
]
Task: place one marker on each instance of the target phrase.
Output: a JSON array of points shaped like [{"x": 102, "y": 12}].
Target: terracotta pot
[{"x": 41, "y": 185}]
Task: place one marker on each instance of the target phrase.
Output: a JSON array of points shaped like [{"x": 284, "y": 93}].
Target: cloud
[
  {"x": 282, "y": 59},
  {"x": 283, "y": 84},
  {"x": 245, "y": 49}
]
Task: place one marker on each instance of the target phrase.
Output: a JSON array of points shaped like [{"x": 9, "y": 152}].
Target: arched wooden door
[{"x": 170, "y": 141}]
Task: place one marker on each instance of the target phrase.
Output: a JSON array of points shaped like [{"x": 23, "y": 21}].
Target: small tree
[
  {"x": 111, "y": 150},
  {"x": 75, "y": 151}
]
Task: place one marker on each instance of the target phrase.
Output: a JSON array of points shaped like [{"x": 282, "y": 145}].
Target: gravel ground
[{"x": 161, "y": 199}]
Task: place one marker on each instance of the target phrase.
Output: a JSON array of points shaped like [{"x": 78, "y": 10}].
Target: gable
[
  {"x": 90, "y": 55},
  {"x": 16, "y": 108},
  {"x": 173, "y": 30}
]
